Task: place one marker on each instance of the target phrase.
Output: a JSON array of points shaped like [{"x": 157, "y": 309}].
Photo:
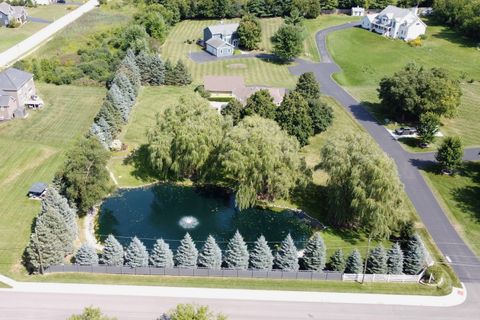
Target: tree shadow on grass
[
  {"x": 140, "y": 161},
  {"x": 452, "y": 36},
  {"x": 468, "y": 198}
]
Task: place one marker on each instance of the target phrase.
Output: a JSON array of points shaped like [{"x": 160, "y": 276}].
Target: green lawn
[
  {"x": 13, "y": 36},
  {"x": 460, "y": 196},
  {"x": 366, "y": 57},
  {"x": 32, "y": 150},
  {"x": 254, "y": 284}
]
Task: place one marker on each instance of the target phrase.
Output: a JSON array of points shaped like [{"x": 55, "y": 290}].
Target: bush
[{"x": 415, "y": 42}]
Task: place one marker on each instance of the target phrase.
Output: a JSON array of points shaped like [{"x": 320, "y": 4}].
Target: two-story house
[
  {"x": 221, "y": 39},
  {"x": 396, "y": 23},
  {"x": 10, "y": 14}
]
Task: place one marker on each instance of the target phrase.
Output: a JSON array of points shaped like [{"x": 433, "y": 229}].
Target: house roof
[
  {"x": 227, "y": 28},
  {"x": 5, "y": 99},
  {"x": 223, "y": 83},
  {"x": 38, "y": 187},
  {"x": 217, "y": 43},
  {"x": 5, "y": 8},
  {"x": 396, "y": 11},
  {"x": 13, "y": 79},
  {"x": 243, "y": 94},
  {"x": 8, "y": 10}
]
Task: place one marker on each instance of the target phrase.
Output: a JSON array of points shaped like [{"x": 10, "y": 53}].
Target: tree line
[
  {"x": 462, "y": 15},
  {"x": 407, "y": 258}
]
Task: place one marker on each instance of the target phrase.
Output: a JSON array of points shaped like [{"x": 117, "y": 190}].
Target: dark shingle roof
[
  {"x": 38, "y": 187},
  {"x": 218, "y": 43},
  {"x": 13, "y": 79}
]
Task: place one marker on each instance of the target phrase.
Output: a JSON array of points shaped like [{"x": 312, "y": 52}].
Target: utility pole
[
  {"x": 366, "y": 258},
  {"x": 39, "y": 252}
]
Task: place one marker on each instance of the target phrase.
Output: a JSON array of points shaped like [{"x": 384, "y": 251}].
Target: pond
[{"x": 169, "y": 211}]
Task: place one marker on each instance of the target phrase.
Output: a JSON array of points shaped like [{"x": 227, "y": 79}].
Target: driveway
[
  {"x": 39, "y": 20},
  {"x": 465, "y": 263}
]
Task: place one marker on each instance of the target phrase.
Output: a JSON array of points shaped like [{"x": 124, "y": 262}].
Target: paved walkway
[
  {"x": 21, "y": 49},
  {"x": 464, "y": 261}
]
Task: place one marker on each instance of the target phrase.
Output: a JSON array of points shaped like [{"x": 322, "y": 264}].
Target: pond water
[{"x": 169, "y": 211}]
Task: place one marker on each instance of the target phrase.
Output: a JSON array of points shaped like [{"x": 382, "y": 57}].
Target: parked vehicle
[{"x": 404, "y": 131}]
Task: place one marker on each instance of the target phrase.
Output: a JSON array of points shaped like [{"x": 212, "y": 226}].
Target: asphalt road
[
  {"x": 59, "y": 306},
  {"x": 463, "y": 260}
]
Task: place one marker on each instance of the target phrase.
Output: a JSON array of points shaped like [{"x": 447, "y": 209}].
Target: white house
[
  {"x": 358, "y": 11},
  {"x": 396, "y": 23},
  {"x": 43, "y": 2}
]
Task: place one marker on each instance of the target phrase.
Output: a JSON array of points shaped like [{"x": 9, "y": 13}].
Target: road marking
[{"x": 448, "y": 259}]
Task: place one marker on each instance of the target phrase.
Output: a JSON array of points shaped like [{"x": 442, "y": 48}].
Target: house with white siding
[{"x": 396, "y": 23}]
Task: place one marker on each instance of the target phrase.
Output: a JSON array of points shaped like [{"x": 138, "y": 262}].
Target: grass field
[
  {"x": 33, "y": 150},
  {"x": 10, "y": 37},
  {"x": 460, "y": 196},
  {"x": 366, "y": 57}
]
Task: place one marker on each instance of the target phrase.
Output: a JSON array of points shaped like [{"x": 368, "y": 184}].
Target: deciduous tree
[
  {"x": 288, "y": 42},
  {"x": 321, "y": 114},
  {"x": 293, "y": 116},
  {"x": 450, "y": 153},
  {"x": 428, "y": 127},
  {"x": 260, "y": 103},
  {"x": 249, "y": 32},
  {"x": 308, "y": 86}
]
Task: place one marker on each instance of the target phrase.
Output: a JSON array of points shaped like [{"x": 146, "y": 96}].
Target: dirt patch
[{"x": 237, "y": 66}]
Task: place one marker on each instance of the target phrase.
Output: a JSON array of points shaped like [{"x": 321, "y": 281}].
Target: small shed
[
  {"x": 37, "y": 190},
  {"x": 219, "y": 48},
  {"x": 358, "y": 11}
]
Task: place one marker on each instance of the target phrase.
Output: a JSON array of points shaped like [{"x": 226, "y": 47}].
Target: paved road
[
  {"x": 52, "y": 306},
  {"x": 465, "y": 263}
]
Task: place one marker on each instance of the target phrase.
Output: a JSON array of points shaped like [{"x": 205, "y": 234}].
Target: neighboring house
[
  {"x": 43, "y": 2},
  {"x": 17, "y": 86},
  {"x": 358, "y": 11},
  {"x": 234, "y": 86},
  {"x": 221, "y": 39},
  {"x": 396, "y": 23},
  {"x": 9, "y": 14}
]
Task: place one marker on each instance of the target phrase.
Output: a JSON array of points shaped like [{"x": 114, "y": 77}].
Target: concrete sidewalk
[{"x": 456, "y": 297}]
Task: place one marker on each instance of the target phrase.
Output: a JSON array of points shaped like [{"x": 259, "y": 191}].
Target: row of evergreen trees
[
  {"x": 133, "y": 71},
  {"x": 54, "y": 232},
  {"x": 409, "y": 260}
]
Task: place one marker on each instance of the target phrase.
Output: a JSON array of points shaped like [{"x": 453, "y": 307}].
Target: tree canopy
[
  {"x": 293, "y": 116},
  {"x": 364, "y": 190},
  {"x": 260, "y": 103},
  {"x": 450, "y": 153},
  {"x": 308, "y": 86},
  {"x": 415, "y": 90},
  {"x": 288, "y": 42},
  {"x": 249, "y": 32}
]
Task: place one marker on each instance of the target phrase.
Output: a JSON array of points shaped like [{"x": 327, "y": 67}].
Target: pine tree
[
  {"x": 136, "y": 254},
  {"x": 55, "y": 201},
  {"x": 261, "y": 257},
  {"x": 86, "y": 255},
  {"x": 182, "y": 75},
  {"x": 157, "y": 71},
  {"x": 112, "y": 252},
  {"x": 187, "y": 253},
  {"x": 377, "y": 261},
  {"x": 287, "y": 257},
  {"x": 395, "y": 259},
  {"x": 236, "y": 254},
  {"x": 169, "y": 74},
  {"x": 314, "y": 253},
  {"x": 210, "y": 256},
  {"x": 161, "y": 255},
  {"x": 337, "y": 261},
  {"x": 308, "y": 86},
  {"x": 54, "y": 221},
  {"x": 414, "y": 255},
  {"x": 143, "y": 61},
  {"x": 354, "y": 262}
]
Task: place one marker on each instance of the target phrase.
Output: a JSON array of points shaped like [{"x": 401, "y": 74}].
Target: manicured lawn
[
  {"x": 366, "y": 57},
  {"x": 460, "y": 197},
  {"x": 33, "y": 150},
  {"x": 10, "y": 37},
  {"x": 255, "y": 284}
]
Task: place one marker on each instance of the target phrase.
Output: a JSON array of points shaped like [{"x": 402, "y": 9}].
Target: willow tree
[
  {"x": 183, "y": 138},
  {"x": 258, "y": 160},
  {"x": 364, "y": 190}
]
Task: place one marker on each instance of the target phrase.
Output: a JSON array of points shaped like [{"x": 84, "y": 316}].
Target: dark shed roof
[{"x": 38, "y": 188}]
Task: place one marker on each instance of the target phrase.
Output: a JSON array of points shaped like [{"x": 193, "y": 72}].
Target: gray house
[
  {"x": 221, "y": 39},
  {"x": 10, "y": 14}
]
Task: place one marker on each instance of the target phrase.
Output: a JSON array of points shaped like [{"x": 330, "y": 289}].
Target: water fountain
[{"x": 188, "y": 222}]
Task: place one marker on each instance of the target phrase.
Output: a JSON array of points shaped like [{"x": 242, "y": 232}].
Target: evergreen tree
[
  {"x": 377, "y": 261},
  {"x": 55, "y": 201},
  {"x": 395, "y": 259},
  {"x": 210, "y": 256},
  {"x": 261, "y": 257},
  {"x": 234, "y": 109},
  {"x": 293, "y": 116},
  {"x": 314, "y": 253},
  {"x": 187, "y": 253},
  {"x": 413, "y": 255},
  {"x": 287, "y": 257},
  {"x": 112, "y": 252},
  {"x": 260, "y": 103},
  {"x": 236, "y": 254},
  {"x": 143, "y": 62},
  {"x": 182, "y": 75},
  {"x": 321, "y": 115},
  {"x": 354, "y": 262},
  {"x": 169, "y": 74},
  {"x": 136, "y": 254},
  {"x": 161, "y": 255},
  {"x": 86, "y": 255},
  {"x": 54, "y": 221},
  {"x": 157, "y": 71},
  {"x": 308, "y": 86},
  {"x": 337, "y": 261},
  {"x": 130, "y": 69},
  {"x": 44, "y": 242}
]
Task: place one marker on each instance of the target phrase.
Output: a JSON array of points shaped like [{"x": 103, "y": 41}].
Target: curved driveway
[{"x": 463, "y": 260}]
